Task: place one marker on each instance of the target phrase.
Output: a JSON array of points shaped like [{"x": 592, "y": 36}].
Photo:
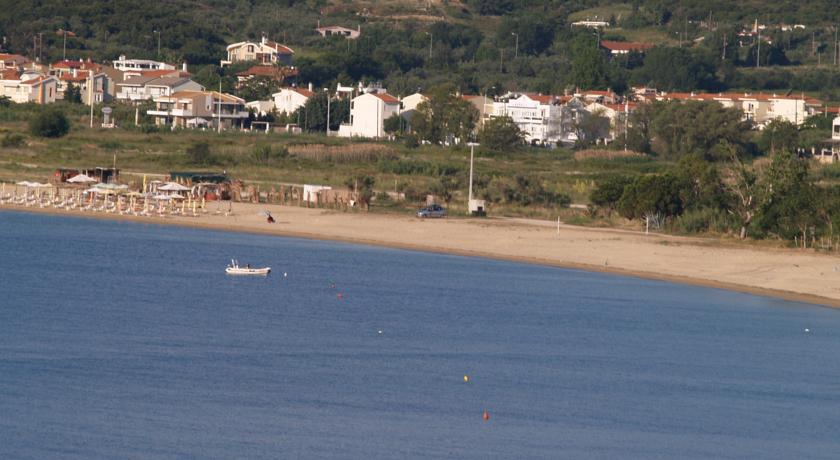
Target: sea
[{"x": 127, "y": 340}]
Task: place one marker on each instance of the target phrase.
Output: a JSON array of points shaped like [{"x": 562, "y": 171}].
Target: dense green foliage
[
  {"x": 50, "y": 122},
  {"x": 506, "y": 44},
  {"x": 500, "y": 133}
]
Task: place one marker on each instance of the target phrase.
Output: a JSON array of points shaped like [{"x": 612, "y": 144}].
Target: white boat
[{"x": 235, "y": 269}]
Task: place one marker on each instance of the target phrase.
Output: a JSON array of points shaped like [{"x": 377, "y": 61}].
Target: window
[{"x": 250, "y": 48}]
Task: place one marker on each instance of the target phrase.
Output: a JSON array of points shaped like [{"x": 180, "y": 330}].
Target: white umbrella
[
  {"x": 176, "y": 197},
  {"x": 81, "y": 179},
  {"x": 173, "y": 187},
  {"x": 162, "y": 196},
  {"x": 26, "y": 183}
]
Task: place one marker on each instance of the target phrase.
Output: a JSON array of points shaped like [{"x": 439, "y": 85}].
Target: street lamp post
[
  {"x": 327, "y": 90},
  {"x": 158, "y": 34},
  {"x": 431, "y": 37},
  {"x": 472, "y": 156},
  {"x": 516, "y": 48}
]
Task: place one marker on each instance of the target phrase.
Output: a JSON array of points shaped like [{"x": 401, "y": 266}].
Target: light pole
[
  {"x": 327, "y": 90},
  {"x": 158, "y": 34},
  {"x": 431, "y": 37},
  {"x": 516, "y": 48},
  {"x": 472, "y": 156}
]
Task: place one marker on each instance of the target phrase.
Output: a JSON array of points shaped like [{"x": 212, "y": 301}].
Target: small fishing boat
[{"x": 235, "y": 269}]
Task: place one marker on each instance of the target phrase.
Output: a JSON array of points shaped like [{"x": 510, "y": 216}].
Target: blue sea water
[{"x": 126, "y": 340}]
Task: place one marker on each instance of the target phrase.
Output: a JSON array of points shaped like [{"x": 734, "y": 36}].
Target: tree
[
  {"x": 445, "y": 117},
  {"x": 500, "y": 133},
  {"x": 49, "y": 122},
  {"x": 393, "y": 124},
  {"x": 445, "y": 186},
  {"x": 676, "y": 69},
  {"x": 591, "y": 126},
  {"x": 778, "y": 135},
  {"x": 788, "y": 209},
  {"x": 658, "y": 193},
  {"x": 740, "y": 180},
  {"x": 608, "y": 192},
  {"x": 679, "y": 128},
  {"x": 198, "y": 154},
  {"x": 362, "y": 185},
  {"x": 589, "y": 66},
  {"x": 73, "y": 93},
  {"x": 313, "y": 114}
]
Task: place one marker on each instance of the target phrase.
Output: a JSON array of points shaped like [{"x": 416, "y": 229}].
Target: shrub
[
  {"x": 265, "y": 154},
  {"x": 13, "y": 140},
  {"x": 149, "y": 128},
  {"x": 50, "y": 122},
  {"x": 198, "y": 154},
  {"x": 704, "y": 220}
]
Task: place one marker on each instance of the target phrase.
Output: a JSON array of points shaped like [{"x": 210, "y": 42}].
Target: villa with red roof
[
  {"x": 265, "y": 52},
  {"x": 288, "y": 100}
]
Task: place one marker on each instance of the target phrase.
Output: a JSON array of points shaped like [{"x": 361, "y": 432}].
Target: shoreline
[{"x": 459, "y": 237}]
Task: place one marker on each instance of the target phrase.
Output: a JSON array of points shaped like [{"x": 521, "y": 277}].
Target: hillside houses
[
  {"x": 143, "y": 88},
  {"x": 759, "y": 108},
  {"x": 265, "y": 52},
  {"x": 368, "y": 113},
  {"x": 196, "y": 109}
]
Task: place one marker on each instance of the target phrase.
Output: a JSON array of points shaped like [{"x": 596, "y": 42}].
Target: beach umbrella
[
  {"x": 81, "y": 179},
  {"x": 162, "y": 196},
  {"x": 176, "y": 196},
  {"x": 173, "y": 187}
]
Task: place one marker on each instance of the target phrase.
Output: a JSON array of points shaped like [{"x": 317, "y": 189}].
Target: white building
[
  {"x": 137, "y": 89},
  {"x": 195, "y": 109},
  {"x": 140, "y": 64},
  {"x": 288, "y": 100},
  {"x": 29, "y": 87},
  {"x": 265, "y": 52},
  {"x": 260, "y": 108},
  {"x": 329, "y": 31},
  {"x": 539, "y": 117},
  {"x": 411, "y": 101},
  {"x": 368, "y": 113}
]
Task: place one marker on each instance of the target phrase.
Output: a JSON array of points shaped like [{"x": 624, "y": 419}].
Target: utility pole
[
  {"x": 327, "y": 90},
  {"x": 758, "y": 51},
  {"x": 40, "y": 46},
  {"x": 431, "y": 38},
  {"x": 723, "y": 58},
  {"x": 472, "y": 156},
  {"x": 219, "y": 124},
  {"x": 90, "y": 96},
  {"x": 64, "y": 48},
  {"x": 158, "y": 34},
  {"x": 516, "y": 48}
]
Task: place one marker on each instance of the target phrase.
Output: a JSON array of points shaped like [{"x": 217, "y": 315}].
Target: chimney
[
  {"x": 310, "y": 86},
  {"x": 263, "y": 40},
  {"x": 184, "y": 66},
  {"x": 75, "y": 72}
]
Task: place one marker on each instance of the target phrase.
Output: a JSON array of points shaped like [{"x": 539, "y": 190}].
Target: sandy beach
[{"x": 787, "y": 273}]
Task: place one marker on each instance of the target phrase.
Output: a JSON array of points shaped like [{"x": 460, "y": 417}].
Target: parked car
[{"x": 434, "y": 210}]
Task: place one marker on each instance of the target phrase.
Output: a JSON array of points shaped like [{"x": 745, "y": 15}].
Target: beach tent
[
  {"x": 111, "y": 187},
  {"x": 81, "y": 179},
  {"x": 173, "y": 187}
]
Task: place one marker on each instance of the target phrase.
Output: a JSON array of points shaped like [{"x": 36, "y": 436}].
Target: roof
[
  {"x": 135, "y": 80},
  {"x": 541, "y": 98},
  {"x": 625, "y": 46},
  {"x": 737, "y": 97},
  {"x": 167, "y": 81},
  {"x": 12, "y": 57},
  {"x": 215, "y": 94},
  {"x": 80, "y": 76},
  {"x": 387, "y": 98},
  {"x": 35, "y": 81},
  {"x": 9, "y": 74},
  {"x": 282, "y": 49},
  {"x": 268, "y": 71},
  {"x": 163, "y": 73}
]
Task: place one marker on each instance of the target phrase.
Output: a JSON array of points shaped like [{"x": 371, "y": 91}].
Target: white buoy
[
  {"x": 807, "y": 330},
  {"x": 380, "y": 331},
  {"x": 285, "y": 274}
]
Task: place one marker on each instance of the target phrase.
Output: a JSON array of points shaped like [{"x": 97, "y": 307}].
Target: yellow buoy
[{"x": 466, "y": 378}]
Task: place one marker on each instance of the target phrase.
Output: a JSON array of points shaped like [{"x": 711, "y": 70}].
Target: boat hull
[{"x": 248, "y": 271}]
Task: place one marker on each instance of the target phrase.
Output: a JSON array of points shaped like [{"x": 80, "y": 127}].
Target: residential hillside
[{"x": 477, "y": 45}]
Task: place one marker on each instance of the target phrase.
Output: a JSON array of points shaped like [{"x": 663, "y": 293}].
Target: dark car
[{"x": 434, "y": 210}]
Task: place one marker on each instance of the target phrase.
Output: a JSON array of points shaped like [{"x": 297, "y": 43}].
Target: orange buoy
[{"x": 486, "y": 416}]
